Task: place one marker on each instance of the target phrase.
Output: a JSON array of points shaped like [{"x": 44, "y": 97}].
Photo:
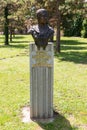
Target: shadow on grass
[
  {"x": 73, "y": 53},
  {"x": 72, "y": 42},
  {"x": 14, "y": 46},
  {"x": 20, "y": 42},
  {"x": 76, "y": 57},
  {"x": 59, "y": 123},
  {"x": 15, "y": 37}
]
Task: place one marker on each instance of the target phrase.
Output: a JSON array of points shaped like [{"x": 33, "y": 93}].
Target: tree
[
  {"x": 6, "y": 31},
  {"x": 8, "y": 9},
  {"x": 66, "y": 13},
  {"x": 84, "y": 24},
  {"x": 72, "y": 16}
]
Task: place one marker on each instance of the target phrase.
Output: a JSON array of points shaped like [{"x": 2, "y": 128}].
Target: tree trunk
[
  {"x": 58, "y": 35},
  {"x": 6, "y": 31},
  {"x": 58, "y": 29},
  {"x": 10, "y": 34}
]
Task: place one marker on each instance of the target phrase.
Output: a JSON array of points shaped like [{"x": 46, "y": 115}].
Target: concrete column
[{"x": 41, "y": 82}]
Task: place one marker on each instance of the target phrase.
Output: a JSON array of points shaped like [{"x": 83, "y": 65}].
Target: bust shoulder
[{"x": 50, "y": 28}]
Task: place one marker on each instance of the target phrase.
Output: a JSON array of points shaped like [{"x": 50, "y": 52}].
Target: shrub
[
  {"x": 84, "y": 30},
  {"x": 74, "y": 26}
]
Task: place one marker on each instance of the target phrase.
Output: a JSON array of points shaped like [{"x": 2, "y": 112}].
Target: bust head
[{"x": 42, "y": 16}]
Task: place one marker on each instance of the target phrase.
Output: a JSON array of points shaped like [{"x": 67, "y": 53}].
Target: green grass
[{"x": 70, "y": 85}]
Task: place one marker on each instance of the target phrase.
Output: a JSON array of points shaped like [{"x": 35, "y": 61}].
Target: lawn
[{"x": 70, "y": 85}]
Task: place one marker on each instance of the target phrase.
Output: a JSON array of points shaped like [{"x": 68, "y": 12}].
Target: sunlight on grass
[{"x": 70, "y": 85}]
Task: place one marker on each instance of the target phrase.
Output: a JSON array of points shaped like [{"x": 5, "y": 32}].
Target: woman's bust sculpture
[{"x": 42, "y": 32}]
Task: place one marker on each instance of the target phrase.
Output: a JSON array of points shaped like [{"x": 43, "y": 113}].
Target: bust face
[{"x": 42, "y": 19}]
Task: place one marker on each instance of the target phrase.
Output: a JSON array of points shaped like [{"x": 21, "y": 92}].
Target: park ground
[{"x": 70, "y": 85}]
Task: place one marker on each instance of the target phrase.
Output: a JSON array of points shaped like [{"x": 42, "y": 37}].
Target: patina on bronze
[{"x": 42, "y": 32}]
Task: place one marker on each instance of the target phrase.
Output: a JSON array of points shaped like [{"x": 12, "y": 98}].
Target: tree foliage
[
  {"x": 67, "y": 15},
  {"x": 72, "y": 17},
  {"x": 8, "y": 9}
]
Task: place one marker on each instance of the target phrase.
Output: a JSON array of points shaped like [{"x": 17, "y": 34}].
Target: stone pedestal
[{"x": 41, "y": 82}]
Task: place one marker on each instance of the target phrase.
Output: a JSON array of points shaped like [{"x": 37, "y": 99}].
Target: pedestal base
[
  {"x": 26, "y": 117},
  {"x": 41, "y": 82}
]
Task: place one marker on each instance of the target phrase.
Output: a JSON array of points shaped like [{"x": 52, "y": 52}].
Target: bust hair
[{"x": 41, "y": 12}]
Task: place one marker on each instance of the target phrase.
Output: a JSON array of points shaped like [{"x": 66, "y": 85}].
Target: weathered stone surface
[{"x": 41, "y": 82}]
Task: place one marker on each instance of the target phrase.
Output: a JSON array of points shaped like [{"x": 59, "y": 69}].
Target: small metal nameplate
[{"x": 41, "y": 59}]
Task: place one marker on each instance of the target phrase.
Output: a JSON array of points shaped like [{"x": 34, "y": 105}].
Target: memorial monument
[{"x": 41, "y": 68}]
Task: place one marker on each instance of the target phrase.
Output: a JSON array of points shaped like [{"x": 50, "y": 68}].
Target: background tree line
[{"x": 66, "y": 15}]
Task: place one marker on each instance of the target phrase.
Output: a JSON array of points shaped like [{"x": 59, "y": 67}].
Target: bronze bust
[{"x": 42, "y": 32}]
